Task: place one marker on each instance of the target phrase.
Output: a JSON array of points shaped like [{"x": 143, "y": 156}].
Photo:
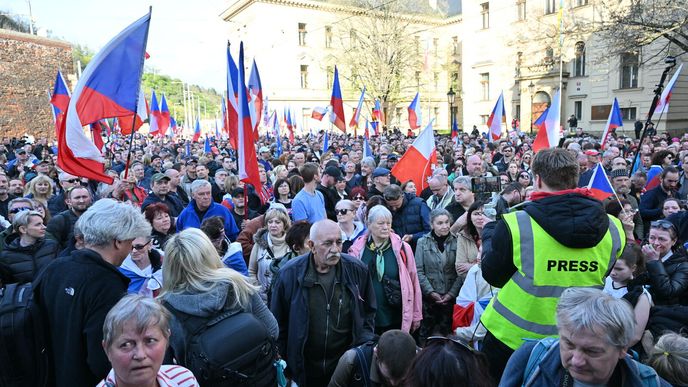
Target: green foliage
[
  {"x": 210, "y": 99},
  {"x": 83, "y": 54}
]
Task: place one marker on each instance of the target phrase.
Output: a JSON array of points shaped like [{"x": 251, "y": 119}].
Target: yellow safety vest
[{"x": 525, "y": 308}]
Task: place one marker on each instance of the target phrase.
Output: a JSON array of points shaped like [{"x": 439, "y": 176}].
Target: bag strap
[
  {"x": 363, "y": 363},
  {"x": 541, "y": 348}
]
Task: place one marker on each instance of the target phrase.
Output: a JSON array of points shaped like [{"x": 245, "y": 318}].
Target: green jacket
[{"x": 437, "y": 270}]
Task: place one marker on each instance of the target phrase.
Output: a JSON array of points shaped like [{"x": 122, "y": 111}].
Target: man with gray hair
[
  {"x": 75, "y": 292},
  {"x": 203, "y": 207},
  {"x": 595, "y": 331}
]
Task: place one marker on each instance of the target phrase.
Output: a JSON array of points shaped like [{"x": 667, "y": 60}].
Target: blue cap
[{"x": 379, "y": 171}]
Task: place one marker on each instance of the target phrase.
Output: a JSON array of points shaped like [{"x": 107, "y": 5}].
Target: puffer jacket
[
  {"x": 412, "y": 299},
  {"x": 668, "y": 280},
  {"x": 21, "y": 264},
  {"x": 413, "y": 218}
]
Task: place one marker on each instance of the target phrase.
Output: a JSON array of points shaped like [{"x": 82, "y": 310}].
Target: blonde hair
[
  {"x": 31, "y": 187},
  {"x": 280, "y": 214},
  {"x": 192, "y": 265},
  {"x": 669, "y": 358}
]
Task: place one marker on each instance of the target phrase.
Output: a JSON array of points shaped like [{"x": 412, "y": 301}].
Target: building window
[
  {"x": 628, "y": 114},
  {"x": 485, "y": 86},
  {"x": 629, "y": 70},
  {"x": 578, "y": 109},
  {"x": 436, "y": 81},
  {"x": 302, "y": 34},
  {"x": 485, "y": 14},
  {"x": 436, "y": 45},
  {"x": 330, "y": 76},
  {"x": 517, "y": 115},
  {"x": 328, "y": 36},
  {"x": 304, "y": 76},
  {"x": 580, "y": 3},
  {"x": 521, "y": 6},
  {"x": 550, "y": 6},
  {"x": 436, "y": 112},
  {"x": 484, "y": 118},
  {"x": 455, "y": 80},
  {"x": 579, "y": 60},
  {"x": 418, "y": 79}
]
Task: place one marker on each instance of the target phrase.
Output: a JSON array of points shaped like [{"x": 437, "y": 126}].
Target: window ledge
[{"x": 629, "y": 90}]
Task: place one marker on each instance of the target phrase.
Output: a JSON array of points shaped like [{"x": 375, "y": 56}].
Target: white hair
[
  {"x": 108, "y": 220},
  {"x": 199, "y": 184},
  {"x": 377, "y": 212}
]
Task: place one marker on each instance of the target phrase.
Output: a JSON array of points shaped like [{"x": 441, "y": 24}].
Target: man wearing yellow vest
[{"x": 562, "y": 238}]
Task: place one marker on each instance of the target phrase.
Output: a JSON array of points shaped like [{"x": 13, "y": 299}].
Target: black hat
[
  {"x": 333, "y": 171},
  {"x": 617, "y": 173},
  {"x": 238, "y": 191}
]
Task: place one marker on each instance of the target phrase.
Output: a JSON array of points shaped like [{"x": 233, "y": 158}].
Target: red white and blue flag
[
  {"x": 599, "y": 185},
  {"x": 108, "y": 87},
  {"x": 377, "y": 112},
  {"x": 256, "y": 95},
  {"x": 497, "y": 117},
  {"x": 59, "y": 99},
  {"x": 164, "y": 119},
  {"x": 247, "y": 160},
  {"x": 653, "y": 177},
  {"x": 154, "y": 119},
  {"x": 614, "y": 121},
  {"x": 663, "y": 104},
  {"x": 416, "y": 164},
  {"x": 290, "y": 124},
  {"x": 455, "y": 132},
  {"x": 172, "y": 130},
  {"x": 319, "y": 112},
  {"x": 414, "y": 116},
  {"x": 197, "y": 131},
  {"x": 357, "y": 110},
  {"x": 127, "y": 123},
  {"x": 337, "y": 113},
  {"x": 549, "y": 133},
  {"x": 232, "y": 93}
]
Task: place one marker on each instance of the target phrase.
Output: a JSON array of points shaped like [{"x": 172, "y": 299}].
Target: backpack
[
  {"x": 24, "y": 359},
  {"x": 232, "y": 348},
  {"x": 364, "y": 358}
]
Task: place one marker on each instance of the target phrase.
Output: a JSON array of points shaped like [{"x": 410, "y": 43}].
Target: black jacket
[
  {"x": 289, "y": 305},
  {"x": 412, "y": 218},
  {"x": 173, "y": 202},
  {"x": 331, "y": 199},
  {"x": 56, "y": 204},
  {"x": 21, "y": 264},
  {"x": 668, "y": 280},
  {"x": 572, "y": 219},
  {"x": 75, "y": 293},
  {"x": 61, "y": 227}
]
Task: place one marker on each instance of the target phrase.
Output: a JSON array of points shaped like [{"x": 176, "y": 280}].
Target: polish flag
[
  {"x": 319, "y": 112},
  {"x": 549, "y": 133},
  {"x": 663, "y": 103},
  {"x": 414, "y": 113},
  {"x": 614, "y": 121},
  {"x": 498, "y": 115},
  {"x": 416, "y": 163}
]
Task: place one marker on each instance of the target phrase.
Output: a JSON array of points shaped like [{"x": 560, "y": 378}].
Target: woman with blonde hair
[
  {"x": 199, "y": 288},
  {"x": 269, "y": 244},
  {"x": 40, "y": 188}
]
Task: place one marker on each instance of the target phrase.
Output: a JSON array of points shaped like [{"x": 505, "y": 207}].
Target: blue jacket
[
  {"x": 289, "y": 305},
  {"x": 412, "y": 218},
  {"x": 188, "y": 218}
]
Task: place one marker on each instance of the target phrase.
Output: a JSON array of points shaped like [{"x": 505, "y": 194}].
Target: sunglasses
[
  {"x": 359, "y": 198},
  {"x": 20, "y": 209},
  {"x": 140, "y": 247},
  {"x": 455, "y": 341},
  {"x": 343, "y": 211},
  {"x": 663, "y": 224},
  {"x": 73, "y": 181}
]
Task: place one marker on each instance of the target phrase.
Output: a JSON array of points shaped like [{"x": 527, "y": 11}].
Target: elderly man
[
  {"x": 324, "y": 303},
  {"x": 203, "y": 207},
  {"x": 76, "y": 292},
  {"x": 381, "y": 180},
  {"x": 442, "y": 195},
  {"x": 160, "y": 193},
  {"x": 463, "y": 198},
  {"x": 595, "y": 331},
  {"x": 622, "y": 186}
]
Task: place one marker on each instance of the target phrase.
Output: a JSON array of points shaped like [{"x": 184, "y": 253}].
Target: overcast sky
[{"x": 187, "y": 39}]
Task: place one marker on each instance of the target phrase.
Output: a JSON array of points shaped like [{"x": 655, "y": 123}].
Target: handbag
[{"x": 392, "y": 287}]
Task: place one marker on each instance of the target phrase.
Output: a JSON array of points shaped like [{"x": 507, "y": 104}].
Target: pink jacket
[{"x": 412, "y": 299}]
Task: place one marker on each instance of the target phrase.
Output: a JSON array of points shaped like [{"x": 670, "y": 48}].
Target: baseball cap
[
  {"x": 192, "y": 160},
  {"x": 379, "y": 171},
  {"x": 392, "y": 156},
  {"x": 333, "y": 171},
  {"x": 159, "y": 176},
  {"x": 238, "y": 191},
  {"x": 263, "y": 149}
]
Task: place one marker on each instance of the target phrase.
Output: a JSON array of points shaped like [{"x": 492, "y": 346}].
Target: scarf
[{"x": 379, "y": 256}]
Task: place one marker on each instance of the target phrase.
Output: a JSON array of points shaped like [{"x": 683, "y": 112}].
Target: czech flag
[
  {"x": 172, "y": 130},
  {"x": 164, "y": 119},
  {"x": 357, "y": 110},
  {"x": 653, "y": 175},
  {"x": 599, "y": 184},
  {"x": 127, "y": 123},
  {"x": 59, "y": 100},
  {"x": 109, "y": 87},
  {"x": 290, "y": 124},
  {"x": 498, "y": 115},
  {"x": 416, "y": 163},
  {"x": 375, "y": 126},
  {"x": 197, "y": 131},
  {"x": 549, "y": 133},
  {"x": 154, "y": 118},
  {"x": 256, "y": 90},
  {"x": 319, "y": 112},
  {"x": 247, "y": 161},
  {"x": 232, "y": 93},
  {"x": 377, "y": 112},
  {"x": 414, "y": 113},
  {"x": 367, "y": 151},
  {"x": 663, "y": 104},
  {"x": 455, "y": 132},
  {"x": 337, "y": 104},
  {"x": 614, "y": 121}
]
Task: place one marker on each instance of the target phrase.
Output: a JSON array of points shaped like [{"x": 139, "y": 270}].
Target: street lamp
[
  {"x": 451, "y": 95},
  {"x": 531, "y": 89}
]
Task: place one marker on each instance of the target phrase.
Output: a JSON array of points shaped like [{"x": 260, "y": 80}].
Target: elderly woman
[
  {"x": 439, "y": 282},
  {"x": 595, "y": 331},
  {"x": 27, "y": 251},
  {"x": 393, "y": 271},
  {"x": 268, "y": 244},
  {"x": 158, "y": 215},
  {"x": 351, "y": 228},
  {"x": 142, "y": 267},
  {"x": 667, "y": 270},
  {"x": 469, "y": 239},
  {"x": 136, "y": 335},
  {"x": 198, "y": 288}
]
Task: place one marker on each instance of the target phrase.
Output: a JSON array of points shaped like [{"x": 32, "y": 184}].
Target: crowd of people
[{"x": 180, "y": 274}]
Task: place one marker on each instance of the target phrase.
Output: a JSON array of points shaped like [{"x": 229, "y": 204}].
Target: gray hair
[
  {"x": 369, "y": 161},
  {"x": 463, "y": 180},
  {"x": 199, "y": 184},
  {"x": 109, "y": 220},
  {"x": 23, "y": 218},
  {"x": 592, "y": 310},
  {"x": 20, "y": 200},
  {"x": 379, "y": 212},
  {"x": 144, "y": 312},
  {"x": 439, "y": 212}
]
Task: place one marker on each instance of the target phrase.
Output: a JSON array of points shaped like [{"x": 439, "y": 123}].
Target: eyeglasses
[
  {"x": 342, "y": 211},
  {"x": 20, "y": 209},
  {"x": 455, "y": 341},
  {"x": 140, "y": 247},
  {"x": 663, "y": 224},
  {"x": 359, "y": 197}
]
